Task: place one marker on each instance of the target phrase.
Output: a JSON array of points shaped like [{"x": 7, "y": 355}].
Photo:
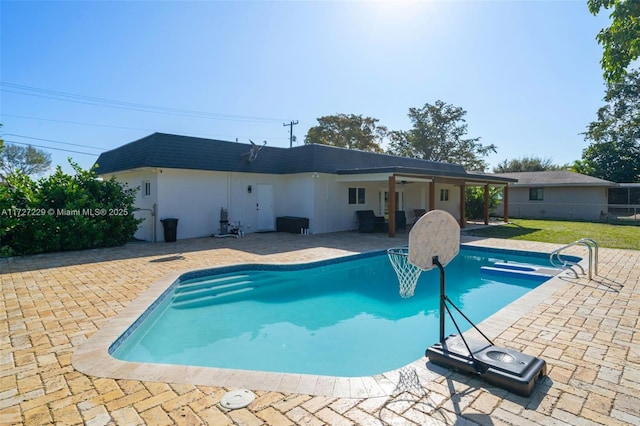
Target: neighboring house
[
  {"x": 557, "y": 194},
  {"x": 192, "y": 179}
]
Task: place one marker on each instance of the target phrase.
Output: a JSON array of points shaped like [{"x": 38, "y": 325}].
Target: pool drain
[{"x": 238, "y": 398}]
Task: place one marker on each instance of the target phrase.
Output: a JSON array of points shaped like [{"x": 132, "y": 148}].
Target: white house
[
  {"x": 192, "y": 179},
  {"x": 557, "y": 194}
]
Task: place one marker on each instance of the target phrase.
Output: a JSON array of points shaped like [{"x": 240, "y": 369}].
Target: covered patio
[{"x": 395, "y": 195}]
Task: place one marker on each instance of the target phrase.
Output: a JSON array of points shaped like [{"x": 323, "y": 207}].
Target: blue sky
[{"x": 526, "y": 72}]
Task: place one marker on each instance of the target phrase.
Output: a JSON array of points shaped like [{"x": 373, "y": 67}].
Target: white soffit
[{"x": 378, "y": 177}]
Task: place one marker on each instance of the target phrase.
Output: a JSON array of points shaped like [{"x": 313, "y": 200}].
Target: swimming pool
[{"x": 342, "y": 317}]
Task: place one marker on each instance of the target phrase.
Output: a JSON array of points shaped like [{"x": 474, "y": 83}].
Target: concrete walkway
[{"x": 587, "y": 331}]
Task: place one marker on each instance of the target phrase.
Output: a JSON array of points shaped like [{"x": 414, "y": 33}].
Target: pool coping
[{"x": 93, "y": 357}]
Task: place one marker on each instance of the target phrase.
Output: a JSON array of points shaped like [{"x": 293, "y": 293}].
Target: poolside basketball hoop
[
  {"x": 407, "y": 273},
  {"x": 434, "y": 234},
  {"x": 433, "y": 242}
]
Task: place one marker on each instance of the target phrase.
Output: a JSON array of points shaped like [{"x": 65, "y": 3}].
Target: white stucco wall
[
  {"x": 195, "y": 198},
  {"x": 296, "y": 196},
  {"x": 452, "y": 205},
  {"x": 582, "y": 203},
  {"x": 144, "y": 205},
  {"x": 332, "y": 210}
]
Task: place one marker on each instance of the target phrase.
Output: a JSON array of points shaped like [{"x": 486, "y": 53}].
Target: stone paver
[{"x": 587, "y": 331}]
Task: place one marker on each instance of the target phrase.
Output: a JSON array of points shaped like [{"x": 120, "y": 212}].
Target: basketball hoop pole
[
  {"x": 442, "y": 297},
  {"x": 443, "y": 308}
]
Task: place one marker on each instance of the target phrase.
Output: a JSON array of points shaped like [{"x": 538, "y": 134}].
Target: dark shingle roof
[
  {"x": 554, "y": 178},
  {"x": 185, "y": 152}
]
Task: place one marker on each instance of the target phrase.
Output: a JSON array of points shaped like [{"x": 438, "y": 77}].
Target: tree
[
  {"x": 621, "y": 40},
  {"x": 614, "y": 153},
  {"x": 348, "y": 131},
  {"x": 525, "y": 164},
  {"x": 438, "y": 135},
  {"x": 23, "y": 159}
]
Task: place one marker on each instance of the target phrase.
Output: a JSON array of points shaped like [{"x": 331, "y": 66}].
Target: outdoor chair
[
  {"x": 419, "y": 213},
  {"x": 369, "y": 222}
]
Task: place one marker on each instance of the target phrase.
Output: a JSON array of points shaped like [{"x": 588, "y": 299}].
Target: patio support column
[
  {"x": 505, "y": 203},
  {"x": 392, "y": 206},
  {"x": 432, "y": 195},
  {"x": 463, "y": 222},
  {"x": 486, "y": 204}
]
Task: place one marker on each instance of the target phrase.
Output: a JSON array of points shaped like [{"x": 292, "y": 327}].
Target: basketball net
[
  {"x": 435, "y": 235},
  {"x": 407, "y": 272}
]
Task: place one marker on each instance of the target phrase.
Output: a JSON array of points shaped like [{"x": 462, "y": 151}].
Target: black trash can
[{"x": 170, "y": 226}]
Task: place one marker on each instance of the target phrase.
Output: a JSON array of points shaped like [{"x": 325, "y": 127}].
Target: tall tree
[
  {"x": 348, "y": 131},
  {"x": 621, "y": 40},
  {"x": 526, "y": 164},
  {"x": 438, "y": 135},
  {"x": 24, "y": 159},
  {"x": 614, "y": 153}
]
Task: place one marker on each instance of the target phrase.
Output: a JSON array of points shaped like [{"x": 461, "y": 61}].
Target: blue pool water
[{"x": 342, "y": 317}]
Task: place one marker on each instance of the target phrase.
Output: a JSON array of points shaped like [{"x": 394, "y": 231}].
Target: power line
[
  {"x": 55, "y": 149},
  {"x": 54, "y": 141},
  {"x": 110, "y": 103},
  {"x": 129, "y": 128},
  {"x": 191, "y": 115},
  {"x": 76, "y": 122},
  {"x": 218, "y": 136}
]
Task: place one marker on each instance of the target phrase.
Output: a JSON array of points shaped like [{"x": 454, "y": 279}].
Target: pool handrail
[{"x": 557, "y": 260}]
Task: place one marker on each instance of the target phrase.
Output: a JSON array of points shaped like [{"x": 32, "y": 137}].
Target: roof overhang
[
  {"x": 416, "y": 175},
  {"x": 381, "y": 177},
  {"x": 565, "y": 185}
]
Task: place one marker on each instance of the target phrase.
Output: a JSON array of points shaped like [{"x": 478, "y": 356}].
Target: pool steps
[
  {"x": 207, "y": 284},
  {"x": 521, "y": 270},
  {"x": 205, "y": 291}
]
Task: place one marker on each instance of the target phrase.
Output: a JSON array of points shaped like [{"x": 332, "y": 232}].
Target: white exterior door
[{"x": 264, "y": 208}]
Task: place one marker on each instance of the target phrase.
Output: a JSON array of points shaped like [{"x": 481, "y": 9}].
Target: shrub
[
  {"x": 64, "y": 212},
  {"x": 474, "y": 201}
]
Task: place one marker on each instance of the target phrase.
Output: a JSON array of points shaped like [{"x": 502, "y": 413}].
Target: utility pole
[{"x": 291, "y": 124}]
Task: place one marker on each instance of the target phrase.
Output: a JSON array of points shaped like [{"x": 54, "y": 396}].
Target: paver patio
[{"x": 587, "y": 331}]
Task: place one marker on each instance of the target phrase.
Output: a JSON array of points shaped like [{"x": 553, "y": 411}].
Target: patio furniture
[
  {"x": 291, "y": 224},
  {"x": 369, "y": 222}
]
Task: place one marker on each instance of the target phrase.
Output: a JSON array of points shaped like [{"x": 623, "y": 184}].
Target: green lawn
[{"x": 564, "y": 232}]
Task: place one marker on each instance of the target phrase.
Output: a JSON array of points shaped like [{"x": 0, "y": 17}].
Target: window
[
  {"x": 146, "y": 189},
  {"x": 536, "y": 194},
  {"x": 356, "y": 196},
  {"x": 444, "y": 195}
]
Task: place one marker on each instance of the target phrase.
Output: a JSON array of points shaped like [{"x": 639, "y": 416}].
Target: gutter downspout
[{"x": 154, "y": 216}]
